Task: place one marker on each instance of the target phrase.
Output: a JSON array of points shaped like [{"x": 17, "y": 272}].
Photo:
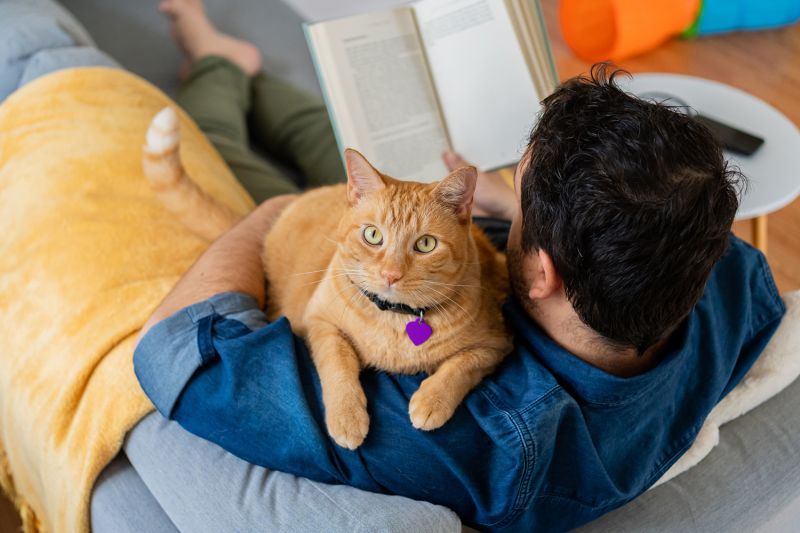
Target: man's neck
[{"x": 559, "y": 320}]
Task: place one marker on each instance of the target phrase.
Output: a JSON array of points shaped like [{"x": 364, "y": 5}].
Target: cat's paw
[
  {"x": 347, "y": 420},
  {"x": 429, "y": 408}
]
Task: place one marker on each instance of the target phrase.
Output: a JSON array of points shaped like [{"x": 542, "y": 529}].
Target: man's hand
[
  {"x": 493, "y": 197},
  {"x": 231, "y": 263}
]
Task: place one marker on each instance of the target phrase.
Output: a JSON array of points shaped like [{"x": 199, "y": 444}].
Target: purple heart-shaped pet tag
[{"x": 418, "y": 331}]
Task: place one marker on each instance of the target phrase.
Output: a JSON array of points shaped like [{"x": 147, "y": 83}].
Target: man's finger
[{"x": 453, "y": 160}]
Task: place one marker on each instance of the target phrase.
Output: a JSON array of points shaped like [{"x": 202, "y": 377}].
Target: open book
[{"x": 405, "y": 84}]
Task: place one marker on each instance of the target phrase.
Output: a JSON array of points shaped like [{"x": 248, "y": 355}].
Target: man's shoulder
[
  {"x": 741, "y": 289},
  {"x": 520, "y": 383}
]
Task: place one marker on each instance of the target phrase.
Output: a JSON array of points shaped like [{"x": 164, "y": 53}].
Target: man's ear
[
  {"x": 546, "y": 280},
  {"x": 456, "y": 190},
  {"x": 362, "y": 178}
]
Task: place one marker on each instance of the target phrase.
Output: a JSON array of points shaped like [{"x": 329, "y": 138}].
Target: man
[
  {"x": 622, "y": 208},
  {"x": 634, "y": 313}
]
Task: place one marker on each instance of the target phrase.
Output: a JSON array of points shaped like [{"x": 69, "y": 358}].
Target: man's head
[{"x": 626, "y": 206}]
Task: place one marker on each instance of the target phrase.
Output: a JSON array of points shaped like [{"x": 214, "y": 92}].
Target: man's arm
[{"x": 231, "y": 264}]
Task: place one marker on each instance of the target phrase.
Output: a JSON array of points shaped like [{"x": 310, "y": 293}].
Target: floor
[
  {"x": 9, "y": 520},
  {"x": 763, "y": 63}
]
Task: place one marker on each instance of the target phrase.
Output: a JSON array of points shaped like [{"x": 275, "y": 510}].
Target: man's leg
[
  {"x": 203, "y": 488},
  {"x": 216, "y": 95},
  {"x": 121, "y": 502},
  {"x": 294, "y": 126}
]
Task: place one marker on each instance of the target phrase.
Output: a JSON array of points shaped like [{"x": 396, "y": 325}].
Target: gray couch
[{"x": 750, "y": 482}]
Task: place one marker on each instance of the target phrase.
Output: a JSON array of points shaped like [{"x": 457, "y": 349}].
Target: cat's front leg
[
  {"x": 443, "y": 391},
  {"x": 338, "y": 367}
]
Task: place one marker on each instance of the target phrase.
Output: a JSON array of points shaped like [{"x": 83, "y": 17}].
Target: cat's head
[{"x": 407, "y": 242}]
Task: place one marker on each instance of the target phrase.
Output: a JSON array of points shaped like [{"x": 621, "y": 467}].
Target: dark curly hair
[{"x": 634, "y": 203}]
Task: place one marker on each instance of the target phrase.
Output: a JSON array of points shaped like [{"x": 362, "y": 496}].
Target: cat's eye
[
  {"x": 373, "y": 235},
  {"x": 425, "y": 244}
]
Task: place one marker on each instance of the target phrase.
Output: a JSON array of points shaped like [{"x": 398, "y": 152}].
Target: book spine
[
  {"x": 546, "y": 38},
  {"x": 312, "y": 49}
]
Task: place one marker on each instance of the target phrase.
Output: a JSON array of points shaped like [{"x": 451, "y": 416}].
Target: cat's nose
[{"x": 391, "y": 276}]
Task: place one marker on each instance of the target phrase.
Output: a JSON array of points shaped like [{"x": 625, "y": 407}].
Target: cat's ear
[
  {"x": 456, "y": 190},
  {"x": 362, "y": 178}
]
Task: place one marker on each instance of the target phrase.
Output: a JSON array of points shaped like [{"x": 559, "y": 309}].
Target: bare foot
[{"x": 198, "y": 38}]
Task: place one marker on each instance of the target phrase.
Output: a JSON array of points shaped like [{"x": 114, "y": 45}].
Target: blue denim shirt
[{"x": 546, "y": 443}]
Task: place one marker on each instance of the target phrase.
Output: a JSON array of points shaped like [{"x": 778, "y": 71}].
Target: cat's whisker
[
  {"x": 339, "y": 295},
  {"x": 315, "y": 282},
  {"x": 353, "y": 275},
  {"x": 350, "y": 301},
  {"x": 430, "y": 302},
  {"x": 451, "y": 299},
  {"x": 452, "y": 284},
  {"x": 348, "y": 286},
  {"x": 353, "y": 270},
  {"x": 323, "y": 279},
  {"x": 471, "y": 317},
  {"x": 309, "y": 272},
  {"x": 444, "y": 314}
]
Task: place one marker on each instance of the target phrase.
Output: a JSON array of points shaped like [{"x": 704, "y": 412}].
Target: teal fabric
[{"x": 719, "y": 16}]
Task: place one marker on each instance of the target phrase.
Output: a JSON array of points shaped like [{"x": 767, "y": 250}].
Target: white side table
[{"x": 773, "y": 171}]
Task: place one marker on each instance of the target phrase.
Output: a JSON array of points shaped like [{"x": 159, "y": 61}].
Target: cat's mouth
[
  {"x": 388, "y": 305},
  {"x": 397, "y": 307}
]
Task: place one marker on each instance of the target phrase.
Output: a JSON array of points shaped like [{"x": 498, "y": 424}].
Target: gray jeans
[{"x": 169, "y": 480}]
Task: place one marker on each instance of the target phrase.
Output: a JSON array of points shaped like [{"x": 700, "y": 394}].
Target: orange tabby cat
[{"x": 377, "y": 272}]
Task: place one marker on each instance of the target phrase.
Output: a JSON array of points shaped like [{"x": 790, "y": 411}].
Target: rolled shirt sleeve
[
  {"x": 171, "y": 352},
  {"x": 227, "y": 375}
]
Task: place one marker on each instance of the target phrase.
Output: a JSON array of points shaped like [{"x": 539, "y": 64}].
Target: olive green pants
[{"x": 286, "y": 124}]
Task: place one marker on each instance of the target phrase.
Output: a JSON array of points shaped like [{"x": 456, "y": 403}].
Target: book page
[
  {"x": 486, "y": 92},
  {"x": 382, "y": 99}
]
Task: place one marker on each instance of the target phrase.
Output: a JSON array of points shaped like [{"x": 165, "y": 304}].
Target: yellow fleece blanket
[{"x": 87, "y": 253}]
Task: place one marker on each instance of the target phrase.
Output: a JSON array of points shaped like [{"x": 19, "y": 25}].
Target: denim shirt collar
[{"x": 589, "y": 383}]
